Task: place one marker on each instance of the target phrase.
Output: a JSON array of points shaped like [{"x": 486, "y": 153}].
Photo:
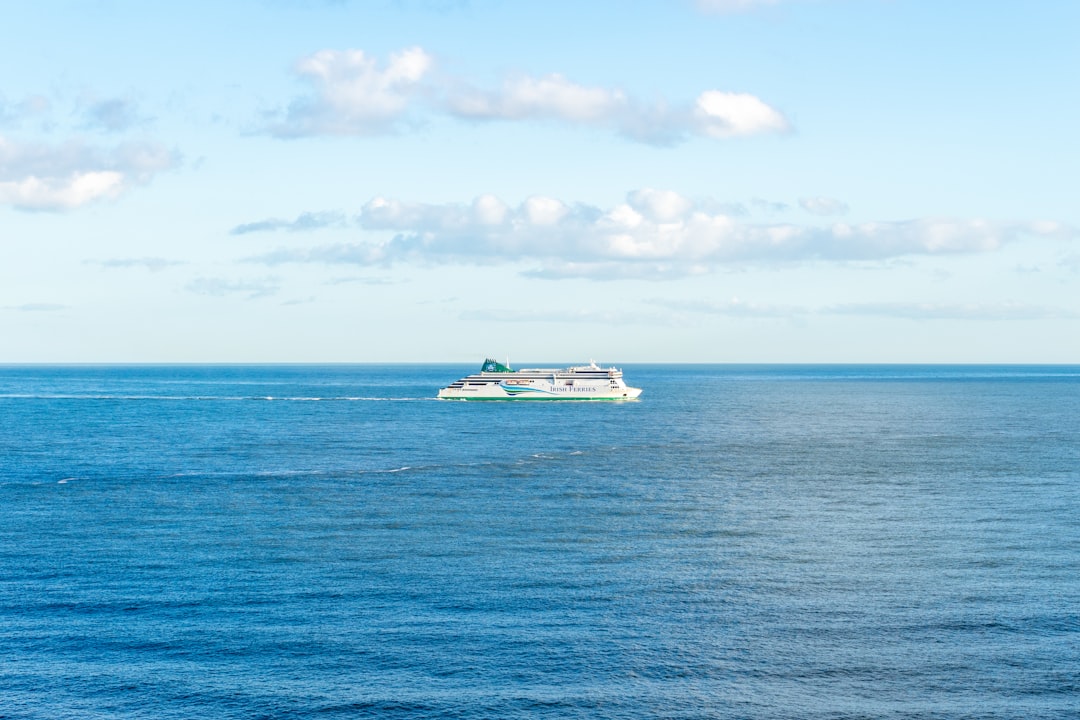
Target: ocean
[{"x": 275, "y": 541}]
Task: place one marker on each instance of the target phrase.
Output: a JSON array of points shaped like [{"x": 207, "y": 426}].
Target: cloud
[
  {"x": 654, "y": 234},
  {"x": 111, "y": 115},
  {"x": 66, "y": 176},
  {"x": 732, "y": 308},
  {"x": 896, "y": 310},
  {"x": 353, "y": 94},
  {"x": 362, "y": 280},
  {"x": 722, "y": 115},
  {"x": 12, "y": 114},
  {"x": 37, "y": 307},
  {"x": 304, "y": 222},
  {"x": 551, "y": 96},
  {"x": 823, "y": 206},
  {"x": 219, "y": 287},
  {"x": 770, "y": 207},
  {"x": 153, "y": 264},
  {"x": 733, "y": 6},
  {"x": 947, "y": 311},
  {"x": 565, "y": 315}
]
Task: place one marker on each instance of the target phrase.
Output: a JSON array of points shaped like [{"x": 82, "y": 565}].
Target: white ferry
[{"x": 496, "y": 381}]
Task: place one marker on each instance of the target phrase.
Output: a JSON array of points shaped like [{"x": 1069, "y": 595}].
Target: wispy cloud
[
  {"x": 66, "y": 176},
  {"x": 1071, "y": 262},
  {"x": 771, "y": 207},
  {"x": 823, "y": 205},
  {"x": 153, "y": 264},
  {"x": 565, "y": 315},
  {"x": 734, "y": 307},
  {"x": 904, "y": 310},
  {"x": 304, "y": 222},
  {"x": 111, "y": 115},
  {"x": 654, "y": 234},
  {"x": 952, "y": 311},
  {"x": 362, "y": 280},
  {"x": 734, "y": 6},
  {"x": 354, "y": 94},
  {"x": 31, "y": 106},
  {"x": 37, "y": 307},
  {"x": 220, "y": 287}
]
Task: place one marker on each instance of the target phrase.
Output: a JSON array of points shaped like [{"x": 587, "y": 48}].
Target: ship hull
[{"x": 581, "y": 384}]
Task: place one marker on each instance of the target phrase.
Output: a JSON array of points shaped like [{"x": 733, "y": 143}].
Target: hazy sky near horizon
[{"x": 630, "y": 181}]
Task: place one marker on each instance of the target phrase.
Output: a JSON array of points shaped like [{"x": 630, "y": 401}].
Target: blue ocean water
[{"x": 744, "y": 542}]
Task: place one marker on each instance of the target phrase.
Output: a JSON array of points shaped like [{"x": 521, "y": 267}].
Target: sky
[{"x": 778, "y": 181}]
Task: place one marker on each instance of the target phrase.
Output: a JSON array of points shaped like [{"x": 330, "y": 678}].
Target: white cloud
[
  {"x": 354, "y": 95},
  {"x": 724, "y": 114},
  {"x": 548, "y": 96},
  {"x": 655, "y": 234},
  {"x": 58, "y": 193},
  {"x": 659, "y": 205},
  {"x": 544, "y": 211},
  {"x": 62, "y": 177},
  {"x": 490, "y": 210}
]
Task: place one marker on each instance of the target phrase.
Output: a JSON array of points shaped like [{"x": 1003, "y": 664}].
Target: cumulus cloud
[
  {"x": 66, "y": 176},
  {"x": 653, "y": 234},
  {"x": 304, "y": 222},
  {"x": 353, "y": 94},
  {"x": 723, "y": 114}
]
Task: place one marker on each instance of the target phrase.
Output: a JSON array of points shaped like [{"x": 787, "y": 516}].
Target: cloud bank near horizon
[
  {"x": 354, "y": 94},
  {"x": 653, "y": 234}
]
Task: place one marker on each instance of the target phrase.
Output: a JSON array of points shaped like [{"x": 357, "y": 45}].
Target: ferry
[{"x": 496, "y": 381}]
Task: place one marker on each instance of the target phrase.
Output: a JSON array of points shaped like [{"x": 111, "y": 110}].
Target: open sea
[{"x": 743, "y": 542}]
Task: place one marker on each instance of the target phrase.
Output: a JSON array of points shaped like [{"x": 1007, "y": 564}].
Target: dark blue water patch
[{"x": 745, "y": 541}]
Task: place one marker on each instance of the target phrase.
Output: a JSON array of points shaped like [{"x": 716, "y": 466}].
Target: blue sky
[{"x": 440, "y": 180}]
